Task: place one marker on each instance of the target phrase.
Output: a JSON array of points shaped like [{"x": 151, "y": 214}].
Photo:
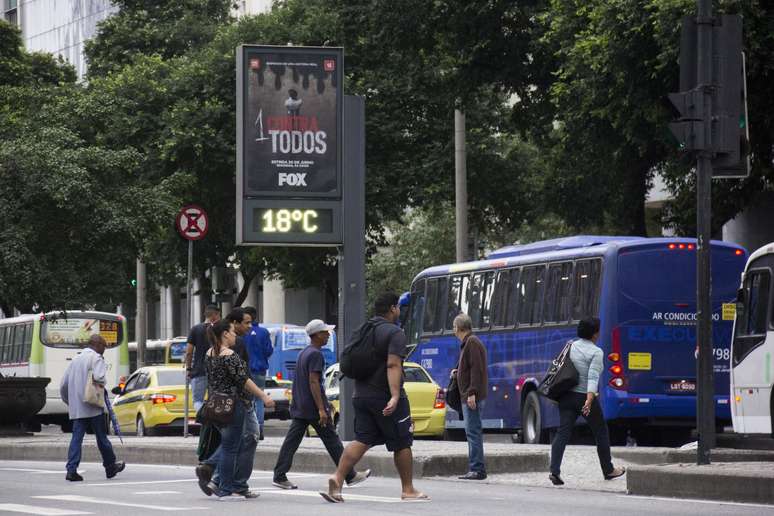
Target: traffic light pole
[{"x": 705, "y": 409}]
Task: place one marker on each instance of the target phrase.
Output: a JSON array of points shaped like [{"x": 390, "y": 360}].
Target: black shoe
[
  {"x": 115, "y": 469},
  {"x": 73, "y": 476},
  {"x": 247, "y": 494},
  {"x": 204, "y": 474},
  {"x": 555, "y": 480},
  {"x": 473, "y": 475}
]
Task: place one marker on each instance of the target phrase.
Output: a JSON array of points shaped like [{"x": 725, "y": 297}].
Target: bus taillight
[{"x": 616, "y": 368}]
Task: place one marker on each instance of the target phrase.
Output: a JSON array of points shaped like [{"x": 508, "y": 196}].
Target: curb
[
  {"x": 305, "y": 460},
  {"x": 654, "y": 456},
  {"x": 753, "y": 485}
]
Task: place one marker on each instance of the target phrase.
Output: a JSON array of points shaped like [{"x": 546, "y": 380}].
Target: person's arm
[
  {"x": 394, "y": 376},
  {"x": 99, "y": 370},
  {"x": 592, "y": 386},
  {"x": 476, "y": 357},
  {"x": 259, "y": 393},
  {"x": 314, "y": 386},
  {"x": 189, "y": 351},
  {"x": 268, "y": 349},
  {"x": 63, "y": 385}
]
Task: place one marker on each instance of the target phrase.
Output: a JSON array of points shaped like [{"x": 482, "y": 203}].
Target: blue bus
[
  {"x": 526, "y": 300},
  {"x": 288, "y": 340}
]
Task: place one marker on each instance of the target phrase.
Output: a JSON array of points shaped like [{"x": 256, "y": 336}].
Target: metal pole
[
  {"x": 352, "y": 256},
  {"x": 141, "y": 325},
  {"x": 460, "y": 186},
  {"x": 188, "y": 304},
  {"x": 705, "y": 408}
]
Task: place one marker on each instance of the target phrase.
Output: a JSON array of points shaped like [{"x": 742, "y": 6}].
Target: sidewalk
[{"x": 431, "y": 458}]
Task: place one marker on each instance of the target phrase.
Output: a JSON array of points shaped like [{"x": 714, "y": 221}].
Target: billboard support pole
[{"x": 352, "y": 255}]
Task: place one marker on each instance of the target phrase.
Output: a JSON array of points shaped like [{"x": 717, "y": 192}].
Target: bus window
[
  {"x": 511, "y": 315},
  {"x": 432, "y": 300},
  {"x": 19, "y": 344},
  {"x": 416, "y": 309},
  {"x": 465, "y": 295},
  {"x": 453, "y": 300},
  {"x": 751, "y": 322},
  {"x": 585, "y": 294},
  {"x": 502, "y": 287},
  {"x": 557, "y": 298},
  {"x": 476, "y": 293},
  {"x": 485, "y": 314},
  {"x": 531, "y": 294}
]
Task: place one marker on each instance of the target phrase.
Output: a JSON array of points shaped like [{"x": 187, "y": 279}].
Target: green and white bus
[{"x": 43, "y": 345}]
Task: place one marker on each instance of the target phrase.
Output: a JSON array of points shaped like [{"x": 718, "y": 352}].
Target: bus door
[{"x": 650, "y": 356}]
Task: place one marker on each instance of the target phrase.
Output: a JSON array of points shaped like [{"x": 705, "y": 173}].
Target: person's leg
[
  {"x": 569, "y": 410},
  {"x": 260, "y": 410},
  {"x": 596, "y": 421},
  {"x": 198, "y": 389},
  {"x": 231, "y": 436},
  {"x": 246, "y": 457},
  {"x": 349, "y": 458},
  {"x": 332, "y": 443},
  {"x": 289, "y": 447},
  {"x": 76, "y": 441},
  {"x": 474, "y": 433},
  {"x": 404, "y": 463},
  {"x": 103, "y": 443}
]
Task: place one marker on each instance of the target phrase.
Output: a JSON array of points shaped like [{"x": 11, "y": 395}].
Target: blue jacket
[{"x": 259, "y": 349}]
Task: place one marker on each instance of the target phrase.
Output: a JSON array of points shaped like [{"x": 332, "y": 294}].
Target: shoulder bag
[
  {"x": 218, "y": 409},
  {"x": 560, "y": 377},
  {"x": 93, "y": 392},
  {"x": 453, "y": 398}
]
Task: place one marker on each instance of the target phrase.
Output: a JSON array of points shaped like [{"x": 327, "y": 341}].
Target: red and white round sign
[{"x": 192, "y": 222}]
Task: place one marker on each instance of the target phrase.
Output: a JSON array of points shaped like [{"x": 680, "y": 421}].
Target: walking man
[
  {"x": 259, "y": 349},
  {"x": 194, "y": 355},
  {"x": 382, "y": 413},
  {"x": 88, "y": 366},
  {"x": 310, "y": 407},
  {"x": 473, "y": 384}
]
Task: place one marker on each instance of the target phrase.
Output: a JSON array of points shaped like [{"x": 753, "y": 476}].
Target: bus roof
[
  {"x": 561, "y": 248},
  {"x": 57, "y": 313}
]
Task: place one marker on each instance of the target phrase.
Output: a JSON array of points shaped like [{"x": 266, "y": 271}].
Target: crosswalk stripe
[
  {"x": 315, "y": 494},
  {"x": 88, "y": 499},
  {"x": 157, "y": 492},
  {"x": 32, "y": 470},
  {"x": 34, "y": 509},
  {"x": 139, "y": 482}
]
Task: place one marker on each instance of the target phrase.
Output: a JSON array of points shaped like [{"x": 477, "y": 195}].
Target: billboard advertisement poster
[{"x": 291, "y": 126}]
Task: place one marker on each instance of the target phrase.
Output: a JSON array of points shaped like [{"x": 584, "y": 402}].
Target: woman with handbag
[
  {"x": 587, "y": 358},
  {"x": 229, "y": 405}
]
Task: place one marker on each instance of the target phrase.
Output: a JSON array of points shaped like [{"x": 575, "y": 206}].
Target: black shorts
[{"x": 372, "y": 428}]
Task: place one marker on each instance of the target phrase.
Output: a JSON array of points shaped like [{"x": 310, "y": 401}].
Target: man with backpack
[{"x": 374, "y": 359}]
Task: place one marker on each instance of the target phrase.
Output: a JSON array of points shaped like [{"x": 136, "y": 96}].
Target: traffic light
[{"x": 133, "y": 282}]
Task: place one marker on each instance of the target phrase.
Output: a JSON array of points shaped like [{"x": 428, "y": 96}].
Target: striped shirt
[{"x": 587, "y": 359}]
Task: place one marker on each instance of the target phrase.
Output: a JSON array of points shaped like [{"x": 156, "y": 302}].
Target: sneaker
[
  {"x": 73, "y": 476},
  {"x": 473, "y": 475},
  {"x": 247, "y": 493},
  {"x": 556, "y": 480},
  {"x": 360, "y": 476},
  {"x": 204, "y": 474},
  {"x": 285, "y": 484},
  {"x": 115, "y": 469}
]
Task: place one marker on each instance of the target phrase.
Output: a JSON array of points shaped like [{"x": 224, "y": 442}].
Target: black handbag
[
  {"x": 219, "y": 409},
  {"x": 560, "y": 377},
  {"x": 453, "y": 398}
]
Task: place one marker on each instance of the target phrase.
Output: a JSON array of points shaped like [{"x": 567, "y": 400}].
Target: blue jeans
[
  {"x": 236, "y": 454},
  {"x": 198, "y": 389},
  {"x": 475, "y": 436},
  {"x": 260, "y": 381},
  {"x": 80, "y": 426}
]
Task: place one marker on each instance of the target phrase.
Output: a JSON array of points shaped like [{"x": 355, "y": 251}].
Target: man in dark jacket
[
  {"x": 473, "y": 384},
  {"x": 259, "y": 349}
]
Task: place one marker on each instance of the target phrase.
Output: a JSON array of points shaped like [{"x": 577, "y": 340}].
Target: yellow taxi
[
  {"x": 427, "y": 399},
  {"x": 153, "y": 399}
]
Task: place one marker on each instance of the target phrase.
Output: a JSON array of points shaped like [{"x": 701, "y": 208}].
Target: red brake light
[
  {"x": 614, "y": 357},
  {"x": 440, "y": 399},
  {"x": 672, "y": 246},
  {"x": 279, "y": 375},
  {"x": 616, "y": 369},
  {"x": 158, "y": 399},
  {"x": 690, "y": 246},
  {"x": 738, "y": 252},
  {"x": 681, "y": 246}
]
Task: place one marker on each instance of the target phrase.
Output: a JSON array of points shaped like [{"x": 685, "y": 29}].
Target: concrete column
[{"x": 273, "y": 302}]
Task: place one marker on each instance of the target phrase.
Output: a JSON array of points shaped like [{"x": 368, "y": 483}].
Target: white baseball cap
[{"x": 316, "y": 326}]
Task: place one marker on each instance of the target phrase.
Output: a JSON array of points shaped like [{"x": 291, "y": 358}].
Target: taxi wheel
[{"x": 142, "y": 430}]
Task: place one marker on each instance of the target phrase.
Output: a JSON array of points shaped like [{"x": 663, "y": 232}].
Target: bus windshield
[{"x": 74, "y": 332}]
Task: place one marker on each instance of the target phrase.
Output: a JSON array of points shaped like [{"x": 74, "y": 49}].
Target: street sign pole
[
  {"x": 705, "y": 409},
  {"x": 190, "y": 320},
  {"x": 192, "y": 224}
]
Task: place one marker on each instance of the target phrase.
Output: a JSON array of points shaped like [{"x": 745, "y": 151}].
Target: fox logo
[{"x": 292, "y": 179}]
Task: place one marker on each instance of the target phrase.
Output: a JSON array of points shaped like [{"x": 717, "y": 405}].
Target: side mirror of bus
[{"x": 116, "y": 390}]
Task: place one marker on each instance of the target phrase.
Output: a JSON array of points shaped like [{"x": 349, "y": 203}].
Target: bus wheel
[{"x": 531, "y": 420}]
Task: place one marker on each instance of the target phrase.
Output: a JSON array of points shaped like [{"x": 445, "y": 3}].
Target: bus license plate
[{"x": 682, "y": 386}]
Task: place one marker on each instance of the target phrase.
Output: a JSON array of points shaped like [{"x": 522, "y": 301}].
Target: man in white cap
[{"x": 310, "y": 407}]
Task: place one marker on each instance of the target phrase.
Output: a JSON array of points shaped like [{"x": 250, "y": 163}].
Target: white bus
[
  {"x": 159, "y": 352},
  {"x": 42, "y": 345},
  {"x": 752, "y": 349}
]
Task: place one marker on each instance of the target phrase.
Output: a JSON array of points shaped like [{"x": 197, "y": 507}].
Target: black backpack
[
  {"x": 560, "y": 377},
  {"x": 360, "y": 358}
]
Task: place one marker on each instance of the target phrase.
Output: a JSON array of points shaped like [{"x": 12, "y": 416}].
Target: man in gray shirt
[{"x": 88, "y": 366}]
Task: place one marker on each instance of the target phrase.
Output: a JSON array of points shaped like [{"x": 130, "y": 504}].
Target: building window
[{"x": 11, "y": 12}]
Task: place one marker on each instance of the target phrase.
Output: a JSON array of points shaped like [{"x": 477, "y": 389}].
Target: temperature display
[{"x": 293, "y": 220}]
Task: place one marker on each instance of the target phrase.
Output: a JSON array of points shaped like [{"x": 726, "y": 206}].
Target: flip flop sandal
[
  {"x": 417, "y": 497},
  {"x": 331, "y": 495}
]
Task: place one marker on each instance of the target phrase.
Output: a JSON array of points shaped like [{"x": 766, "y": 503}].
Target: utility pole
[
  {"x": 460, "y": 186},
  {"x": 141, "y": 322}
]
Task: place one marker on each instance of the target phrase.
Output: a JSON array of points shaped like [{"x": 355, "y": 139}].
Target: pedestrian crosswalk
[
  {"x": 102, "y": 501},
  {"x": 35, "y": 509}
]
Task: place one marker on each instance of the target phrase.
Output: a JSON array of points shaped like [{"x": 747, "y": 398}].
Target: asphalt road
[{"x": 40, "y": 488}]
